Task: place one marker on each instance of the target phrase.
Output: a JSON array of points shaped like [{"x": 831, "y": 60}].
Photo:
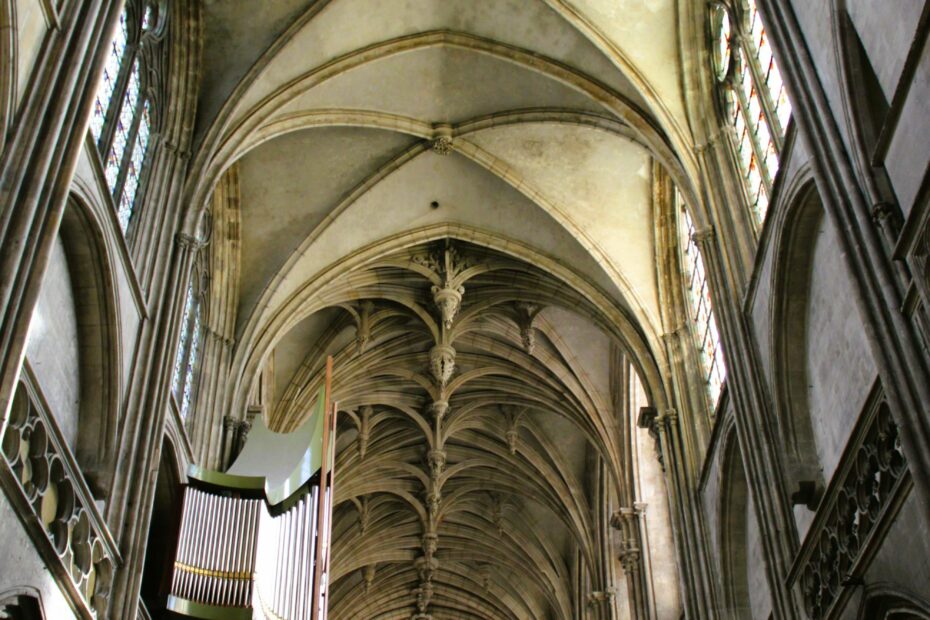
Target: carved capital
[
  {"x": 704, "y": 235},
  {"x": 600, "y": 597},
  {"x": 669, "y": 419},
  {"x": 629, "y": 559},
  {"x": 188, "y": 242},
  {"x": 713, "y": 139}
]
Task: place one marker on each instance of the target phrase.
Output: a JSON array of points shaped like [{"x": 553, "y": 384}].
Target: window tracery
[
  {"x": 122, "y": 118},
  {"x": 190, "y": 340},
  {"x": 701, "y": 311},
  {"x": 753, "y": 93}
]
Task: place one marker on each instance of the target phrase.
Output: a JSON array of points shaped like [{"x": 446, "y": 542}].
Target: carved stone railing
[
  {"x": 869, "y": 486},
  {"x": 915, "y": 242},
  {"x": 45, "y": 485}
]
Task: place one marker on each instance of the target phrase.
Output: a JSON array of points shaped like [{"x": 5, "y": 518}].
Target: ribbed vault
[
  {"x": 457, "y": 200},
  {"x": 468, "y": 426}
]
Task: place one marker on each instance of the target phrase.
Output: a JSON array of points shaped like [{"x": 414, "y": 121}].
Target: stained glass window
[
  {"x": 107, "y": 85},
  {"x": 756, "y": 100},
  {"x": 188, "y": 355},
  {"x": 703, "y": 323},
  {"x": 131, "y": 183},
  {"x": 183, "y": 338},
  {"x": 192, "y": 356},
  {"x": 123, "y": 126},
  {"x": 121, "y": 123}
]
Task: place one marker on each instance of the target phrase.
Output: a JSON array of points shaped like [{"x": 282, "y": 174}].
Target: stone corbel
[{"x": 650, "y": 420}]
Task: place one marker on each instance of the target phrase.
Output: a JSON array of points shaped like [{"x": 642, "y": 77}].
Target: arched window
[
  {"x": 701, "y": 311},
  {"x": 753, "y": 95},
  {"x": 190, "y": 341},
  {"x": 121, "y": 123}
]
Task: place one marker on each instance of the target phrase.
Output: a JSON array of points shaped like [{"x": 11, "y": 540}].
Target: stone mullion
[
  {"x": 143, "y": 438},
  {"x": 894, "y": 343},
  {"x": 764, "y": 468},
  {"x": 713, "y": 152},
  {"x": 37, "y": 168}
]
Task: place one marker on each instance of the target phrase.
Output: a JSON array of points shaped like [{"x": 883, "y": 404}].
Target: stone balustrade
[{"x": 43, "y": 476}]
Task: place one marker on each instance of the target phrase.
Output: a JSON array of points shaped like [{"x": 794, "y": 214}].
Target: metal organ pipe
[{"x": 252, "y": 548}]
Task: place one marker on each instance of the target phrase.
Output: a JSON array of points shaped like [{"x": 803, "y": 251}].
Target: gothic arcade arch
[
  {"x": 96, "y": 316},
  {"x": 734, "y": 527},
  {"x": 798, "y": 226}
]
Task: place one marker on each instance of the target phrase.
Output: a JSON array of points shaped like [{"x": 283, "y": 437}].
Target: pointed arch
[
  {"x": 798, "y": 227},
  {"x": 734, "y": 517}
]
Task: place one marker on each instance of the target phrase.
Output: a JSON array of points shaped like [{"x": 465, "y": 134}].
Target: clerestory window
[
  {"x": 186, "y": 363},
  {"x": 753, "y": 94},
  {"x": 122, "y": 118},
  {"x": 701, "y": 311}
]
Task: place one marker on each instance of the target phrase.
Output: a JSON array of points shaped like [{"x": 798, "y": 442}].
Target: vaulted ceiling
[{"x": 454, "y": 198}]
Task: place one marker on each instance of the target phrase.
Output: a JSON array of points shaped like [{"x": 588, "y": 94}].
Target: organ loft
[{"x": 464, "y": 309}]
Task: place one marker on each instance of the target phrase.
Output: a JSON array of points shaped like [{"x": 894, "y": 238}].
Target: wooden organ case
[{"x": 254, "y": 541}]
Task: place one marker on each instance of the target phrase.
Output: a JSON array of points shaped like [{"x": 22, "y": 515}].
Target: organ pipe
[{"x": 254, "y": 541}]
